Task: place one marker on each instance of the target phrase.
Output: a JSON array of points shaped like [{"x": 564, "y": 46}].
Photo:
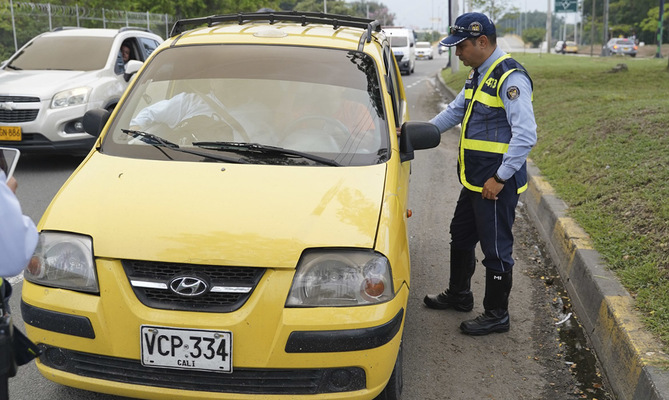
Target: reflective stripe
[
  {"x": 484, "y": 145},
  {"x": 488, "y": 100}
]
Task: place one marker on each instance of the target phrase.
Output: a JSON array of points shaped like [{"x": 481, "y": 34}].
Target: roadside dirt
[{"x": 571, "y": 367}]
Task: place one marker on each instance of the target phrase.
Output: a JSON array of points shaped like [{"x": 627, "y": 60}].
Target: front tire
[{"x": 393, "y": 390}]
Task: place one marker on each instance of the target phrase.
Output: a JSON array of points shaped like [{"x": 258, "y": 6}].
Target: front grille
[
  {"x": 398, "y": 57},
  {"x": 18, "y": 99},
  {"x": 150, "y": 281},
  {"x": 241, "y": 380},
  {"x": 16, "y": 116}
]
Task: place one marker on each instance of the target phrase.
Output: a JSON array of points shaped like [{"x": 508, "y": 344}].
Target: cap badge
[{"x": 475, "y": 27}]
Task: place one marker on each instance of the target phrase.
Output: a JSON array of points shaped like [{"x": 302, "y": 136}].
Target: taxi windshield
[{"x": 316, "y": 101}]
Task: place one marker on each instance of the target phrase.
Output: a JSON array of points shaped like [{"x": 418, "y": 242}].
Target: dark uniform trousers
[{"x": 489, "y": 222}]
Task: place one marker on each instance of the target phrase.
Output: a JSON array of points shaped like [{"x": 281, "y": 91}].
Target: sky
[{"x": 433, "y": 14}]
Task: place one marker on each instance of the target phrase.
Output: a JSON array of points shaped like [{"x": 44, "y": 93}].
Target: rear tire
[{"x": 393, "y": 390}]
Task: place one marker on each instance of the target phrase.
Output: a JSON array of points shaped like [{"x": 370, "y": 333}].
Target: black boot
[
  {"x": 496, "y": 305},
  {"x": 458, "y": 296}
]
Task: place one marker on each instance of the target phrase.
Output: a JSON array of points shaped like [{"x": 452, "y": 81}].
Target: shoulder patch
[{"x": 513, "y": 93}]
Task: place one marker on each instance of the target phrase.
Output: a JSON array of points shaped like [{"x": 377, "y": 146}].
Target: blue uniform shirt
[{"x": 519, "y": 113}]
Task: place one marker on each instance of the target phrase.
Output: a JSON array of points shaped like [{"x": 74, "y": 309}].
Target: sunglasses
[{"x": 459, "y": 29}]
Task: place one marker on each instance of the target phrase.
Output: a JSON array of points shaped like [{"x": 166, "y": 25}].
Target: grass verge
[{"x": 603, "y": 144}]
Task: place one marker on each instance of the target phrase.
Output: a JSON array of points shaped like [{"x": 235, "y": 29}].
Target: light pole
[
  {"x": 549, "y": 28},
  {"x": 605, "y": 31},
  {"x": 659, "y": 30}
]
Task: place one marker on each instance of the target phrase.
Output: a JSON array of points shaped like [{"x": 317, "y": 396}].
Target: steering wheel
[
  {"x": 340, "y": 133},
  {"x": 233, "y": 123},
  {"x": 205, "y": 127}
]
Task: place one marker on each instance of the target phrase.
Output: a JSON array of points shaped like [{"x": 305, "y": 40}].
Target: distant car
[
  {"x": 424, "y": 50},
  {"x": 570, "y": 47},
  {"x": 622, "y": 46},
  {"x": 48, "y": 85},
  {"x": 442, "y": 48},
  {"x": 559, "y": 46},
  {"x": 403, "y": 43}
]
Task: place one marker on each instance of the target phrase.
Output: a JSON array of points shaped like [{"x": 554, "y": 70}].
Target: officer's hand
[
  {"x": 13, "y": 184},
  {"x": 491, "y": 188}
]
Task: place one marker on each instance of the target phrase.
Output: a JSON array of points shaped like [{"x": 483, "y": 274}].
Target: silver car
[
  {"x": 48, "y": 85},
  {"x": 622, "y": 46}
]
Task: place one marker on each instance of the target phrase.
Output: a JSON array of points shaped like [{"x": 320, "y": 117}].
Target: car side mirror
[
  {"x": 131, "y": 68},
  {"x": 417, "y": 136},
  {"x": 94, "y": 121}
]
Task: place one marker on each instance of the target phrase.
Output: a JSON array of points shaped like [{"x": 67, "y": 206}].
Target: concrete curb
[{"x": 631, "y": 358}]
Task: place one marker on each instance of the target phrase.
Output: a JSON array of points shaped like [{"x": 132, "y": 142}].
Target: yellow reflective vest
[{"x": 486, "y": 133}]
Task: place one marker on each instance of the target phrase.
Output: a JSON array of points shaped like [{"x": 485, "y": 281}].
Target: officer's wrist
[{"x": 498, "y": 179}]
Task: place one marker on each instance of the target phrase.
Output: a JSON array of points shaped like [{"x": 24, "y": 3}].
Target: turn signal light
[{"x": 373, "y": 287}]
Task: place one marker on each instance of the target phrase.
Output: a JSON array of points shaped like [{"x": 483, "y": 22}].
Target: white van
[{"x": 403, "y": 43}]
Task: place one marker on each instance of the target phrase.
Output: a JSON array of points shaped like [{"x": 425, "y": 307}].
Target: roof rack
[{"x": 304, "y": 18}]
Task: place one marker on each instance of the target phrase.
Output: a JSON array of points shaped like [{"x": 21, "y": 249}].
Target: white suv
[{"x": 48, "y": 85}]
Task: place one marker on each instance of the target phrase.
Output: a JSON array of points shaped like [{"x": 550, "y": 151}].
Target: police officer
[{"x": 498, "y": 131}]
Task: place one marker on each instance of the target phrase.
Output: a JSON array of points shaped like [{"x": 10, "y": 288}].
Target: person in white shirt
[{"x": 18, "y": 235}]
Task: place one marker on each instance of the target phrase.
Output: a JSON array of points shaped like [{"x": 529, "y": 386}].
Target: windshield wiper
[
  {"x": 150, "y": 138},
  {"x": 159, "y": 142},
  {"x": 264, "y": 149}
]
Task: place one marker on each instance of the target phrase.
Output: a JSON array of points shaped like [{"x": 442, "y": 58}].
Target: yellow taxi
[
  {"x": 239, "y": 230},
  {"x": 570, "y": 47}
]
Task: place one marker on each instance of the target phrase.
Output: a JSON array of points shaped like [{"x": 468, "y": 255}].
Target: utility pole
[
  {"x": 659, "y": 30},
  {"x": 605, "y": 34},
  {"x": 592, "y": 30},
  {"x": 549, "y": 28},
  {"x": 452, "y": 59}
]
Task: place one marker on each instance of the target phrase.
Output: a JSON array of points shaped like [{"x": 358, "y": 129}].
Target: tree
[
  {"x": 534, "y": 36},
  {"x": 651, "y": 22},
  {"x": 492, "y": 8}
]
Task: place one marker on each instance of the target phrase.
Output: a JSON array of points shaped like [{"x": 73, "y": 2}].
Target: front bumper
[
  {"x": 93, "y": 343},
  {"x": 405, "y": 66},
  {"x": 47, "y": 130}
]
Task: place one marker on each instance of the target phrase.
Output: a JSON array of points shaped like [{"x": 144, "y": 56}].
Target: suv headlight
[
  {"x": 72, "y": 97},
  {"x": 63, "y": 260},
  {"x": 326, "y": 278}
]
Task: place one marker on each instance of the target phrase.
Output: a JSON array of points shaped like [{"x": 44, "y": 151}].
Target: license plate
[
  {"x": 12, "y": 133},
  {"x": 178, "y": 348}
]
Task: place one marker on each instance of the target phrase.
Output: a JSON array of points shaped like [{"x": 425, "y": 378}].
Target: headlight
[
  {"x": 70, "y": 97},
  {"x": 63, "y": 260},
  {"x": 341, "y": 278}
]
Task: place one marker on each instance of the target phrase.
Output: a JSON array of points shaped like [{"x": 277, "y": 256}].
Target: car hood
[
  {"x": 227, "y": 214},
  {"x": 43, "y": 84}
]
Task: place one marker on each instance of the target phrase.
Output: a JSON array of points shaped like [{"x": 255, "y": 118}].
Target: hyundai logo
[{"x": 188, "y": 286}]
